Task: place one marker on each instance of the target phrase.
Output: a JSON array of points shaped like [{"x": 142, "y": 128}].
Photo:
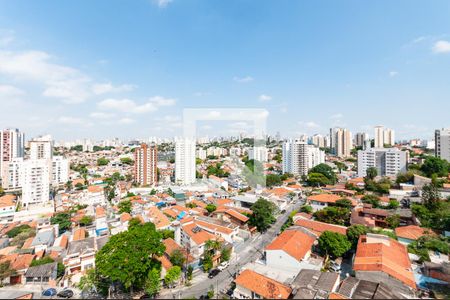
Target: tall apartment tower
[
  {"x": 361, "y": 139},
  {"x": 145, "y": 161},
  {"x": 442, "y": 143},
  {"x": 299, "y": 157},
  {"x": 384, "y": 136},
  {"x": 341, "y": 142},
  {"x": 387, "y": 161},
  {"x": 36, "y": 181},
  {"x": 41, "y": 147},
  {"x": 12, "y": 143},
  {"x": 184, "y": 161}
]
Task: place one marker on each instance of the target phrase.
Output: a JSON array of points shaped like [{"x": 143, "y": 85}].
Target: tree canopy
[
  {"x": 354, "y": 232},
  {"x": 129, "y": 256},
  {"x": 262, "y": 215},
  {"x": 63, "y": 219},
  {"x": 435, "y": 165},
  {"x": 124, "y": 206},
  {"x": 273, "y": 180},
  {"x": 333, "y": 215},
  {"x": 325, "y": 170},
  {"x": 334, "y": 244},
  {"x": 102, "y": 161}
]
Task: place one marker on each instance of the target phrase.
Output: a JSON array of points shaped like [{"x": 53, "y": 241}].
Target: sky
[{"x": 114, "y": 68}]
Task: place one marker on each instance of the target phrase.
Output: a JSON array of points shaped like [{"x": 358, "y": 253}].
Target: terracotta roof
[
  {"x": 319, "y": 227},
  {"x": 158, "y": 218},
  {"x": 221, "y": 202},
  {"x": 280, "y": 192},
  {"x": 214, "y": 227},
  {"x": 327, "y": 198},
  {"x": 199, "y": 203},
  {"x": 294, "y": 242},
  {"x": 22, "y": 262},
  {"x": 28, "y": 242},
  {"x": 7, "y": 200},
  {"x": 124, "y": 217},
  {"x": 385, "y": 255},
  {"x": 336, "y": 296},
  {"x": 95, "y": 189},
  {"x": 165, "y": 262},
  {"x": 237, "y": 215},
  {"x": 262, "y": 285},
  {"x": 171, "y": 246},
  {"x": 100, "y": 212},
  {"x": 411, "y": 232},
  {"x": 79, "y": 234},
  {"x": 170, "y": 212},
  {"x": 199, "y": 237}
]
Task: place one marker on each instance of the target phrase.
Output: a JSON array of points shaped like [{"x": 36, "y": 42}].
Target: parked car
[
  {"x": 335, "y": 266},
  {"x": 66, "y": 293},
  {"x": 49, "y": 292},
  {"x": 213, "y": 273},
  {"x": 223, "y": 265}
]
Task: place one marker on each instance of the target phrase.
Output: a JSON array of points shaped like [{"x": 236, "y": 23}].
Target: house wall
[
  {"x": 318, "y": 205},
  {"x": 242, "y": 293},
  {"x": 281, "y": 260}
]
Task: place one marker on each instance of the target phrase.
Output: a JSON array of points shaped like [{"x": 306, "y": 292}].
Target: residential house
[
  {"x": 95, "y": 195},
  {"x": 7, "y": 208},
  {"x": 408, "y": 234},
  {"x": 379, "y": 258},
  {"x": 317, "y": 227},
  {"x": 43, "y": 240},
  {"x": 314, "y": 284},
  {"x": 289, "y": 250},
  {"x": 252, "y": 285},
  {"x": 321, "y": 201},
  {"x": 353, "y": 288},
  {"x": 42, "y": 275}
]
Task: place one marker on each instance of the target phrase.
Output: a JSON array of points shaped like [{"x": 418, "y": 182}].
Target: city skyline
[{"x": 135, "y": 76}]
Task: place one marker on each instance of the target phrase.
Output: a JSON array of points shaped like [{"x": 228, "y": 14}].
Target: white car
[{"x": 223, "y": 265}]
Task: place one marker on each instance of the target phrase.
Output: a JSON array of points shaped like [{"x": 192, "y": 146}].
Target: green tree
[
  {"x": 190, "y": 271},
  {"x": 333, "y": 215},
  {"x": 354, "y": 232},
  {"x": 371, "y": 173},
  {"x": 17, "y": 230},
  {"x": 273, "y": 180},
  {"x": 2, "y": 191},
  {"x": 371, "y": 199},
  {"x": 86, "y": 221},
  {"x": 345, "y": 203},
  {"x": 207, "y": 262},
  {"x": 430, "y": 195},
  {"x": 43, "y": 261},
  {"x": 167, "y": 233},
  {"x": 393, "y": 204},
  {"x": 317, "y": 179},
  {"x": 325, "y": 170},
  {"x": 69, "y": 185},
  {"x": 127, "y": 161},
  {"x": 102, "y": 161},
  {"x": 129, "y": 256},
  {"x": 125, "y": 206},
  {"x": 173, "y": 274},
  {"x": 262, "y": 215},
  {"x": 210, "y": 208},
  {"x": 435, "y": 165},
  {"x": 334, "y": 244},
  {"x": 177, "y": 258},
  {"x": 225, "y": 254},
  {"x": 5, "y": 271},
  {"x": 393, "y": 221},
  {"x": 63, "y": 219},
  {"x": 306, "y": 209},
  {"x": 153, "y": 283}
]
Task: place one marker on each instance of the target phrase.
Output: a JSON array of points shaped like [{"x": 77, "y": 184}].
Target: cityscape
[{"x": 168, "y": 149}]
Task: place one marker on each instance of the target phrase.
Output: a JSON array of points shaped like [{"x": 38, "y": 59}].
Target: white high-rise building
[
  {"x": 184, "y": 161},
  {"x": 59, "y": 170},
  {"x": 442, "y": 143},
  {"x": 12, "y": 176},
  {"x": 12, "y": 143},
  {"x": 36, "y": 183},
  {"x": 201, "y": 153},
  {"x": 341, "y": 142},
  {"x": 318, "y": 141},
  {"x": 41, "y": 148},
  {"x": 387, "y": 161},
  {"x": 299, "y": 157},
  {"x": 384, "y": 136},
  {"x": 361, "y": 139},
  {"x": 258, "y": 153}
]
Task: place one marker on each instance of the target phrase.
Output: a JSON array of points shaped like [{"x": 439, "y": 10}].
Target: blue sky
[{"x": 109, "y": 68}]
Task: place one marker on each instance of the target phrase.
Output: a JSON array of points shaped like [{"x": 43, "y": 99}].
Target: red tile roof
[
  {"x": 319, "y": 227},
  {"x": 411, "y": 232},
  {"x": 390, "y": 257},
  {"x": 294, "y": 242},
  {"x": 262, "y": 285}
]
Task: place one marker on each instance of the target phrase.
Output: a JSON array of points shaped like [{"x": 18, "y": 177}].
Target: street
[{"x": 247, "y": 252}]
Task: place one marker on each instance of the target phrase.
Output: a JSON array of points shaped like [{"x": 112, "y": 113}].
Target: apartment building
[
  {"x": 442, "y": 143},
  {"x": 11, "y": 146},
  {"x": 299, "y": 157},
  {"x": 387, "y": 161},
  {"x": 145, "y": 161},
  {"x": 384, "y": 136},
  {"x": 184, "y": 161},
  {"x": 341, "y": 142}
]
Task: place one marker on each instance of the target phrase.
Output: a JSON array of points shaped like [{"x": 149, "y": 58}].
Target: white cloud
[
  {"x": 418, "y": 39},
  {"x": 10, "y": 91},
  {"x": 243, "y": 79},
  {"x": 162, "y": 3},
  {"x": 130, "y": 106},
  {"x": 101, "y": 115},
  {"x": 70, "y": 120},
  {"x": 103, "y": 88},
  {"x": 265, "y": 98},
  {"x": 60, "y": 81},
  {"x": 126, "y": 121},
  {"x": 309, "y": 125},
  {"x": 393, "y": 73},
  {"x": 337, "y": 116},
  {"x": 441, "y": 47}
]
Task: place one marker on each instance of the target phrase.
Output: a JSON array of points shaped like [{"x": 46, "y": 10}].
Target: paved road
[{"x": 249, "y": 251}]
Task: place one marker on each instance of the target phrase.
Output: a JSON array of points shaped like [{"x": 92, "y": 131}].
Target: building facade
[
  {"x": 387, "y": 161},
  {"x": 384, "y": 136},
  {"x": 12, "y": 143},
  {"x": 184, "y": 161},
  {"x": 299, "y": 157},
  {"x": 341, "y": 142},
  {"x": 442, "y": 143},
  {"x": 36, "y": 183},
  {"x": 145, "y": 161}
]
